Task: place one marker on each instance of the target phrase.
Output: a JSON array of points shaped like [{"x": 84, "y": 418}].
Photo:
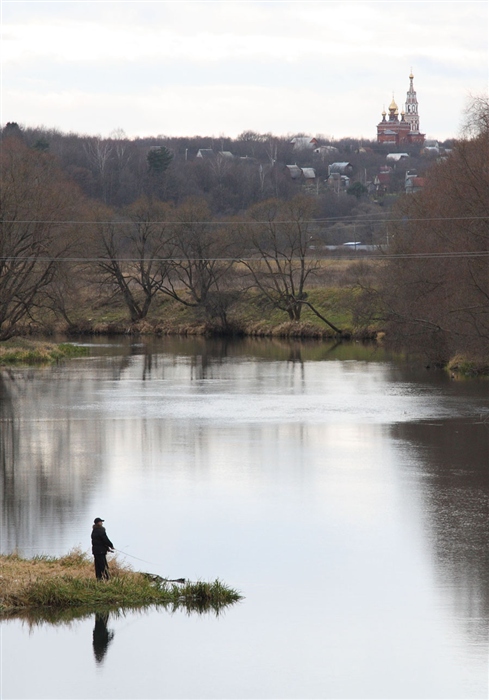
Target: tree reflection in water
[{"x": 452, "y": 458}]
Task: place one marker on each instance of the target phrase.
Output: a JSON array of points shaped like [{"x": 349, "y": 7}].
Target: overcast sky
[{"x": 222, "y": 67}]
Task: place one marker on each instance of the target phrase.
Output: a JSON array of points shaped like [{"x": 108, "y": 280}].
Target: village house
[
  {"x": 205, "y": 153},
  {"x": 342, "y": 168},
  {"x": 325, "y": 151},
  {"x": 297, "y": 173},
  {"x": 304, "y": 143},
  {"x": 209, "y": 153},
  {"x": 396, "y": 157},
  {"x": 338, "y": 182},
  {"x": 413, "y": 183}
]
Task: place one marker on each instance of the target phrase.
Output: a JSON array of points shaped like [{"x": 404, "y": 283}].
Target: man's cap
[{"x": 98, "y": 520}]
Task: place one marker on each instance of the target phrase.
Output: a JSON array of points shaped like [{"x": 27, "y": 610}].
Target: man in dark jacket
[{"x": 100, "y": 546}]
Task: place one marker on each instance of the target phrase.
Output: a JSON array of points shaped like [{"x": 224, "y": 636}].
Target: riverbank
[
  {"x": 69, "y": 582},
  {"x": 25, "y": 351},
  {"x": 247, "y": 314}
]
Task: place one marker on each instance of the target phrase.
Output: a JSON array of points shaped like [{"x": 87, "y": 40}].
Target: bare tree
[
  {"x": 133, "y": 253},
  {"x": 39, "y": 210},
  {"x": 99, "y": 152},
  {"x": 476, "y": 117},
  {"x": 436, "y": 292},
  {"x": 204, "y": 254},
  {"x": 279, "y": 235}
]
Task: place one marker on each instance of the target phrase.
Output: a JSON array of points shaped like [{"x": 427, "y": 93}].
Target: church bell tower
[{"x": 411, "y": 111}]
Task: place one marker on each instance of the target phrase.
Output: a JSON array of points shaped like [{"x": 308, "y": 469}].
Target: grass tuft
[
  {"x": 464, "y": 366},
  {"x": 19, "y": 351}
]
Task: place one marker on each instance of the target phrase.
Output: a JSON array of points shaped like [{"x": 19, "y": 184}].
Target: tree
[
  {"x": 121, "y": 149},
  {"x": 159, "y": 160},
  {"x": 476, "y": 117},
  {"x": 100, "y": 153},
  {"x": 357, "y": 190},
  {"x": 279, "y": 235},
  {"x": 133, "y": 253},
  {"x": 436, "y": 289},
  {"x": 39, "y": 209},
  {"x": 203, "y": 256},
  {"x": 12, "y": 130}
]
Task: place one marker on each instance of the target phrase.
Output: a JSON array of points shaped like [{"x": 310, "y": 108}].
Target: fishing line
[
  {"x": 167, "y": 580},
  {"x": 132, "y": 555}
]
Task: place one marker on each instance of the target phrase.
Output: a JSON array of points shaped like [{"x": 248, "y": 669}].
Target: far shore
[{"x": 23, "y": 350}]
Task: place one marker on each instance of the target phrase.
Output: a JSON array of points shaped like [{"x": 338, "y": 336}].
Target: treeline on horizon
[
  {"x": 119, "y": 170},
  {"x": 206, "y": 245}
]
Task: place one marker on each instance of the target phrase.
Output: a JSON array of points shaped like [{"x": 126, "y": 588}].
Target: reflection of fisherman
[
  {"x": 100, "y": 546},
  {"x": 101, "y": 636}
]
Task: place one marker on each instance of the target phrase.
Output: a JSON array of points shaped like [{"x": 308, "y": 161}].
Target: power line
[
  {"x": 327, "y": 258},
  {"x": 337, "y": 219}
]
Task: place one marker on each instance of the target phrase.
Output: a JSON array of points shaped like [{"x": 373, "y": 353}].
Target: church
[{"x": 401, "y": 130}]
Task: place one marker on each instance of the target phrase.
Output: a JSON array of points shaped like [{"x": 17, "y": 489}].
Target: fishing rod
[{"x": 154, "y": 577}]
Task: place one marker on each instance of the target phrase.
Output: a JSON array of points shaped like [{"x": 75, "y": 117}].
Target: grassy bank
[
  {"x": 18, "y": 351},
  {"x": 248, "y": 314},
  {"x": 465, "y": 366},
  {"x": 69, "y": 582}
]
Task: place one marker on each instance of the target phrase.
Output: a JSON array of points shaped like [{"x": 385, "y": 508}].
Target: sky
[{"x": 214, "y": 68}]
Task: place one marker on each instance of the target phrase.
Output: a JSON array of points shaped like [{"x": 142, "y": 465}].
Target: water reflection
[
  {"x": 453, "y": 459},
  {"x": 48, "y": 457},
  {"x": 207, "y": 351},
  {"x": 102, "y": 636}
]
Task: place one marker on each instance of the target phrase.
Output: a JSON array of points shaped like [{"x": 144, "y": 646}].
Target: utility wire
[
  {"x": 352, "y": 256},
  {"x": 345, "y": 219}
]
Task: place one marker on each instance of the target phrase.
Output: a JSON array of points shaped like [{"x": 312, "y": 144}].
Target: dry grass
[
  {"x": 465, "y": 366},
  {"x": 18, "y": 576},
  {"x": 69, "y": 582},
  {"x": 25, "y": 351}
]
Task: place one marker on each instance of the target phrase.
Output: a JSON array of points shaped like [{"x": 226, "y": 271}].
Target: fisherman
[{"x": 100, "y": 546}]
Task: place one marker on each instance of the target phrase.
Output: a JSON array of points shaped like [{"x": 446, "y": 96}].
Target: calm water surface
[{"x": 343, "y": 492}]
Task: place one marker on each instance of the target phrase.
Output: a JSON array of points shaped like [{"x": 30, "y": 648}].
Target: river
[{"x": 342, "y": 490}]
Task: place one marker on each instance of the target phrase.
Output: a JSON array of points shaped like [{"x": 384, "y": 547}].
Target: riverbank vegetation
[
  {"x": 249, "y": 313},
  {"x": 161, "y": 262},
  {"x": 69, "y": 583},
  {"x": 25, "y": 351}
]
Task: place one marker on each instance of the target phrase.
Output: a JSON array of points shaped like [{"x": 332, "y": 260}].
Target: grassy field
[{"x": 69, "y": 582}]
